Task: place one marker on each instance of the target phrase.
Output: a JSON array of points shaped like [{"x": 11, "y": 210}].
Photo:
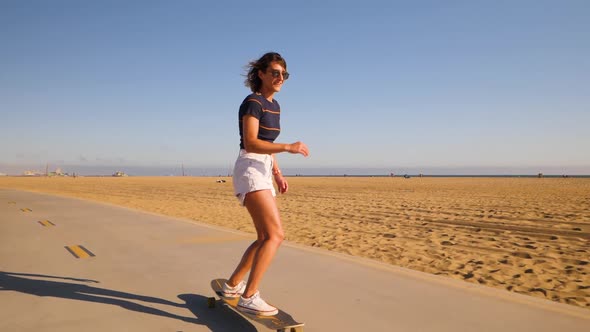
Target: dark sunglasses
[{"x": 276, "y": 73}]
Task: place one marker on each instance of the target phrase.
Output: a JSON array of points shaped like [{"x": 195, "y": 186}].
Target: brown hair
[{"x": 252, "y": 80}]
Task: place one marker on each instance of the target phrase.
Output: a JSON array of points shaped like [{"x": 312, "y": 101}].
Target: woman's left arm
[{"x": 278, "y": 175}]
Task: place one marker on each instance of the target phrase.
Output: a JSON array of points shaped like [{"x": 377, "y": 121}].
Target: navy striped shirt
[{"x": 268, "y": 114}]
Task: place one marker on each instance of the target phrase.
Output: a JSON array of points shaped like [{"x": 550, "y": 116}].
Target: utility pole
[{"x": 182, "y": 169}]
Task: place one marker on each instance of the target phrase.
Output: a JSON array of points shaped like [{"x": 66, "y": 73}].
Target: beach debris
[{"x": 220, "y": 181}]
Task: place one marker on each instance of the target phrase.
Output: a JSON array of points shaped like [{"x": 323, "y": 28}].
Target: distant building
[
  {"x": 58, "y": 172},
  {"x": 119, "y": 174},
  {"x": 31, "y": 173}
]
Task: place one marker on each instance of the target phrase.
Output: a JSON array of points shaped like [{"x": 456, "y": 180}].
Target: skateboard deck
[{"x": 281, "y": 322}]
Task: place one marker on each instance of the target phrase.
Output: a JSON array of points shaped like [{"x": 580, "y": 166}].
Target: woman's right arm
[{"x": 255, "y": 145}]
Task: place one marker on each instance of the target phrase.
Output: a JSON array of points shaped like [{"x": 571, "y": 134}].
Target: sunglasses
[{"x": 276, "y": 73}]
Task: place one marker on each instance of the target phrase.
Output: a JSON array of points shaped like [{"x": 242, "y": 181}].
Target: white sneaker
[
  {"x": 256, "y": 306},
  {"x": 236, "y": 291}
]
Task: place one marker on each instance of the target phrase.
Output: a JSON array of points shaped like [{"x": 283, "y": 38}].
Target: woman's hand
[
  {"x": 298, "y": 147},
  {"x": 281, "y": 183}
]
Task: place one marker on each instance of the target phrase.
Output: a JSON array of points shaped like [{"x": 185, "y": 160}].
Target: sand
[{"x": 524, "y": 235}]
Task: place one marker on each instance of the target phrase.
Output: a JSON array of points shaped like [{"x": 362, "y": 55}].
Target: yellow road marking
[
  {"x": 79, "y": 251},
  {"x": 46, "y": 223}
]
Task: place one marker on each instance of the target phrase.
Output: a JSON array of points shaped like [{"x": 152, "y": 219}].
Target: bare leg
[
  {"x": 245, "y": 264},
  {"x": 263, "y": 209}
]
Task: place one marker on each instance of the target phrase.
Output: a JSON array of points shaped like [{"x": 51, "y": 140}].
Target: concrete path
[{"x": 143, "y": 272}]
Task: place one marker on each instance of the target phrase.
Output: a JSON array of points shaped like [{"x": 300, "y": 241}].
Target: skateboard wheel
[{"x": 211, "y": 302}]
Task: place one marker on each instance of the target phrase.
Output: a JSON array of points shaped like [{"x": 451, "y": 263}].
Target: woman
[{"x": 254, "y": 170}]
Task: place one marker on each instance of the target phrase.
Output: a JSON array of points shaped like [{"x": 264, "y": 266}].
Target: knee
[{"x": 277, "y": 237}]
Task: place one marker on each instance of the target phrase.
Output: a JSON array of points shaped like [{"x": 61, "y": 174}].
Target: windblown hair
[{"x": 252, "y": 80}]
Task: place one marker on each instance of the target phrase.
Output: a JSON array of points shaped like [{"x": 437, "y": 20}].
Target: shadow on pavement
[
  {"x": 219, "y": 318},
  {"x": 216, "y": 320}
]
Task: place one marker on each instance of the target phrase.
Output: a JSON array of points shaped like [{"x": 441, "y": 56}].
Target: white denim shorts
[{"x": 252, "y": 172}]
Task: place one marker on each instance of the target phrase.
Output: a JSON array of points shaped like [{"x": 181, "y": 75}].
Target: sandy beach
[{"x": 525, "y": 235}]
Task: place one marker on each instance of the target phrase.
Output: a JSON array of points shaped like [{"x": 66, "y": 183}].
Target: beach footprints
[{"x": 522, "y": 254}]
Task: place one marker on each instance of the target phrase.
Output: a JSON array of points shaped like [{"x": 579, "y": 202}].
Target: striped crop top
[{"x": 268, "y": 114}]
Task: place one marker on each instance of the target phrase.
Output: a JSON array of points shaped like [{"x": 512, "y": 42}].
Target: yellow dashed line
[
  {"x": 79, "y": 251},
  {"x": 46, "y": 223}
]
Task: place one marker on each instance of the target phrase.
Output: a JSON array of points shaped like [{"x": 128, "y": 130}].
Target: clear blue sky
[{"x": 500, "y": 85}]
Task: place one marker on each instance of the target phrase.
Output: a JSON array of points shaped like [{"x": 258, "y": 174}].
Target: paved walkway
[{"x": 143, "y": 272}]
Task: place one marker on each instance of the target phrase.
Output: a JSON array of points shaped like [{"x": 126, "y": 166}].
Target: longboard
[{"x": 281, "y": 322}]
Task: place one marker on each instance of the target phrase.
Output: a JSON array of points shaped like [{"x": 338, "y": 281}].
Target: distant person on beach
[{"x": 254, "y": 171}]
